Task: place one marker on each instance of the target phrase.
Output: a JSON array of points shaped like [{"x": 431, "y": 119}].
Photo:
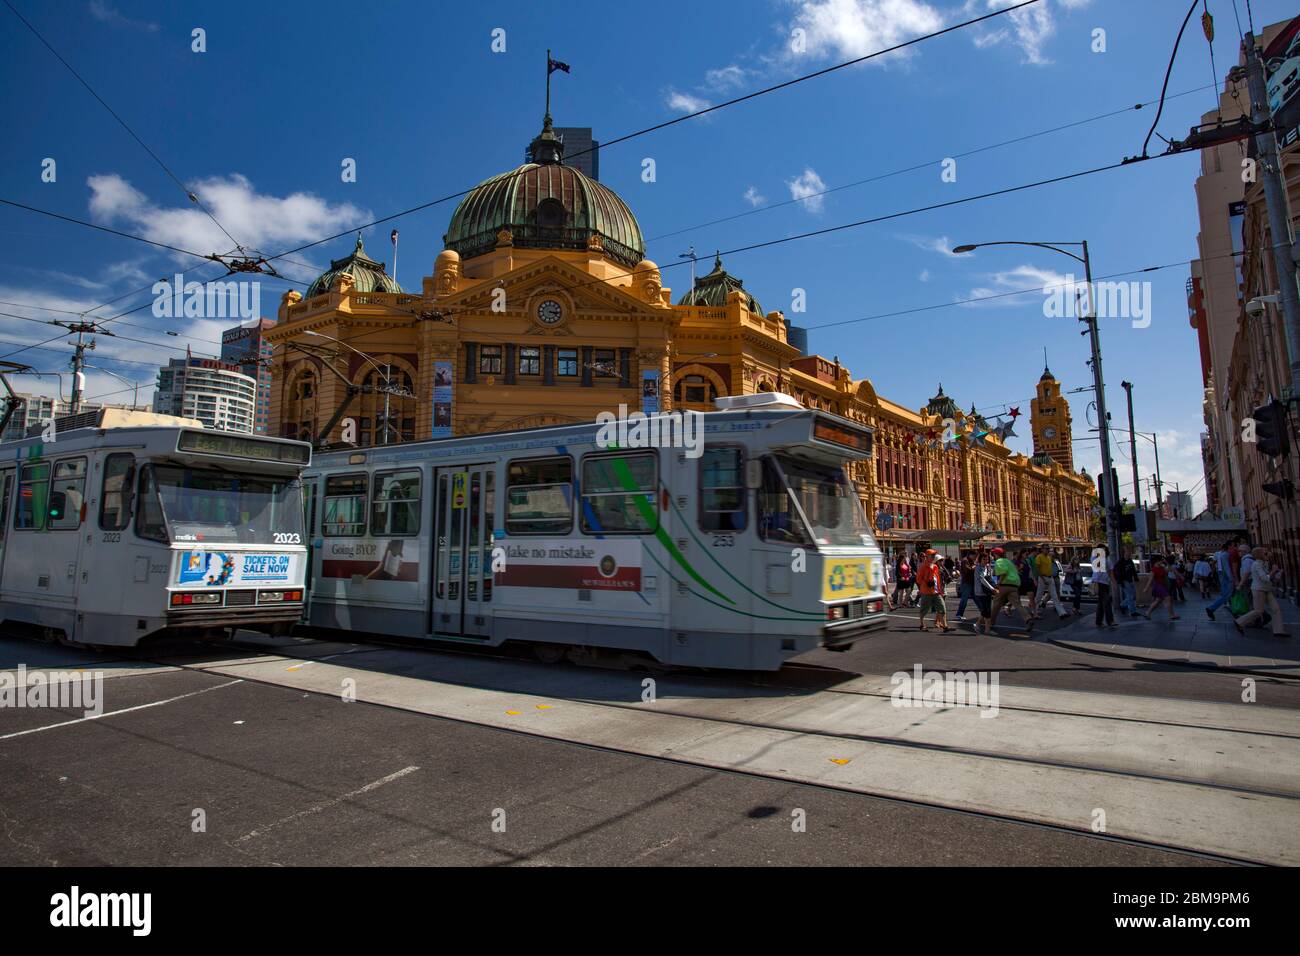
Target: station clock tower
[{"x": 1050, "y": 418}]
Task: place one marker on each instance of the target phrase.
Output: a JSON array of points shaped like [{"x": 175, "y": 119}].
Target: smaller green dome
[
  {"x": 712, "y": 290},
  {"x": 367, "y": 274}
]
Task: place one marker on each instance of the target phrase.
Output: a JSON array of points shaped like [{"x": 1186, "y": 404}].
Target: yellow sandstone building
[{"x": 542, "y": 309}]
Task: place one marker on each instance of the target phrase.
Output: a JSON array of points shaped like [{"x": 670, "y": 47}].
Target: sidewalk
[{"x": 1192, "y": 639}]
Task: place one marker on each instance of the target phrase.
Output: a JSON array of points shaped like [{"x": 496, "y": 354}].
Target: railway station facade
[{"x": 542, "y": 309}]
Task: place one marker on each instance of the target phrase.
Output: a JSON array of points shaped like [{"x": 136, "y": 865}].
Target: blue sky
[{"x": 259, "y": 123}]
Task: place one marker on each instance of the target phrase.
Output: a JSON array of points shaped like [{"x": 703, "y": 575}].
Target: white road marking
[
  {"x": 114, "y": 713},
  {"x": 374, "y": 785}
]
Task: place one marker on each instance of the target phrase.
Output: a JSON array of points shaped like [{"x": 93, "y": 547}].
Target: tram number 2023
[{"x": 287, "y": 537}]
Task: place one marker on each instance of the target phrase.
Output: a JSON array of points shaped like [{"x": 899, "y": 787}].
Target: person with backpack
[
  {"x": 1008, "y": 591},
  {"x": 929, "y": 581},
  {"x": 982, "y": 590}
]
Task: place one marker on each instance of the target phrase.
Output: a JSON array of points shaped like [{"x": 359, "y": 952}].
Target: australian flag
[{"x": 553, "y": 65}]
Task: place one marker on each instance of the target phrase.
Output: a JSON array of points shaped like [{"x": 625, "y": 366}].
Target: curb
[{"x": 1189, "y": 665}]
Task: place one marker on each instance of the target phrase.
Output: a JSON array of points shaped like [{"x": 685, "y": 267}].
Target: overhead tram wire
[
  {"x": 682, "y": 119},
  {"x": 111, "y": 231},
  {"x": 1169, "y": 72},
  {"x": 925, "y": 165},
  {"x": 112, "y": 112}
]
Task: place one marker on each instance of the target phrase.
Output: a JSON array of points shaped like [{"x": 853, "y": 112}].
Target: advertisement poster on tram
[
  {"x": 217, "y": 568},
  {"x": 613, "y": 565}
]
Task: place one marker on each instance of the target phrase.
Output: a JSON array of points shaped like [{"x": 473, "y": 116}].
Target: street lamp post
[{"x": 1109, "y": 505}]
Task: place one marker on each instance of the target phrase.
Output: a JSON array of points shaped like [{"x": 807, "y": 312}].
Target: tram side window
[
  {"x": 722, "y": 490},
  {"x": 149, "y": 521},
  {"x": 115, "y": 496},
  {"x": 777, "y": 518},
  {"x": 345, "y": 506},
  {"x": 33, "y": 506},
  {"x": 539, "y": 496},
  {"x": 67, "y": 494},
  {"x": 395, "y": 507},
  {"x": 618, "y": 494}
]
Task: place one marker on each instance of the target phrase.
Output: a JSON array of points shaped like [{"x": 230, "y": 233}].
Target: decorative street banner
[
  {"x": 650, "y": 391},
  {"x": 613, "y": 565},
  {"x": 442, "y": 387},
  {"x": 217, "y": 568}
]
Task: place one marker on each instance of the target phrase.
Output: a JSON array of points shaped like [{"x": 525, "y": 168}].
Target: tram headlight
[
  {"x": 836, "y": 612},
  {"x": 278, "y": 597}
]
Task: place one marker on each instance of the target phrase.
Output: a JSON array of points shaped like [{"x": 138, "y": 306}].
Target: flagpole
[
  {"x": 548, "y": 82},
  {"x": 394, "y": 238}
]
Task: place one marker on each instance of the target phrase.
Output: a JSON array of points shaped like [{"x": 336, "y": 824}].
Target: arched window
[
  {"x": 399, "y": 401},
  {"x": 694, "y": 390}
]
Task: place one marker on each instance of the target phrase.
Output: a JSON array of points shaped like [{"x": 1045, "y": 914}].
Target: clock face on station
[
  {"x": 549, "y": 312},
  {"x": 1049, "y": 432}
]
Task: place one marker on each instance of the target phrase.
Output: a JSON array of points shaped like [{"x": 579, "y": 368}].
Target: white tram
[
  {"x": 137, "y": 525},
  {"x": 750, "y": 551}
]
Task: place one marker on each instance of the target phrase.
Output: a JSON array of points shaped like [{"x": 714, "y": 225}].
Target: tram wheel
[{"x": 549, "y": 653}]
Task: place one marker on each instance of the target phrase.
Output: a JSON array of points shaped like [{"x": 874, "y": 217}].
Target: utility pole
[
  {"x": 1275, "y": 199},
  {"x": 1110, "y": 507},
  {"x": 79, "y": 357},
  {"x": 1138, "y": 513}
]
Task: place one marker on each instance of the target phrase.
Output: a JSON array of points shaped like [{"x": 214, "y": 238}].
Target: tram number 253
[{"x": 724, "y": 541}]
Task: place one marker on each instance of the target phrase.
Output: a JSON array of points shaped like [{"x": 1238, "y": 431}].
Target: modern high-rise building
[
  {"x": 580, "y": 150},
  {"x": 246, "y": 347},
  {"x": 216, "y": 393}
]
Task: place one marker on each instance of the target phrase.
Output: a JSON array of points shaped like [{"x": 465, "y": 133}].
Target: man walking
[
  {"x": 1126, "y": 579},
  {"x": 1045, "y": 573},
  {"x": 1227, "y": 583},
  {"x": 966, "y": 585},
  {"x": 929, "y": 580},
  {"x": 1101, "y": 579},
  {"x": 1008, "y": 590}
]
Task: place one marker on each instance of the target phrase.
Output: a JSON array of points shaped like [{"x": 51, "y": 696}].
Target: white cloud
[
  {"x": 106, "y": 13},
  {"x": 925, "y": 275},
  {"x": 1028, "y": 28},
  {"x": 940, "y": 244},
  {"x": 726, "y": 79},
  {"x": 848, "y": 29},
  {"x": 1023, "y": 277},
  {"x": 680, "y": 102},
  {"x": 753, "y": 197},
  {"x": 806, "y": 187},
  {"x": 258, "y": 221}
]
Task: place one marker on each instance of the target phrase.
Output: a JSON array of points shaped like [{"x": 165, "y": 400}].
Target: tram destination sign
[
  {"x": 237, "y": 446},
  {"x": 828, "y": 431}
]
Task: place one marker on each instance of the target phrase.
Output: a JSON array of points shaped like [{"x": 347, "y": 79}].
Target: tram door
[
  {"x": 464, "y": 503},
  {"x": 6, "y": 492}
]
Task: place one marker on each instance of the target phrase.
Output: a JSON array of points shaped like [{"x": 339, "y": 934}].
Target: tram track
[{"x": 357, "y": 653}]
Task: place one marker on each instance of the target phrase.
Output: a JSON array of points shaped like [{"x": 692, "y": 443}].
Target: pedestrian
[
  {"x": 1045, "y": 571},
  {"x": 1126, "y": 580},
  {"x": 1201, "y": 576},
  {"x": 1074, "y": 581},
  {"x": 982, "y": 590},
  {"x": 965, "y": 584},
  {"x": 1223, "y": 562},
  {"x": 1008, "y": 590},
  {"x": 1161, "y": 592},
  {"x": 1101, "y": 580},
  {"x": 906, "y": 580},
  {"x": 1264, "y": 578},
  {"x": 1025, "y": 571},
  {"x": 929, "y": 581}
]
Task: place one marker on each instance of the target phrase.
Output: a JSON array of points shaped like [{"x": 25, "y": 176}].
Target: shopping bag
[{"x": 1239, "y": 603}]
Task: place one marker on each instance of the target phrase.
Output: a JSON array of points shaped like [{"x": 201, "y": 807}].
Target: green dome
[
  {"x": 367, "y": 274},
  {"x": 545, "y": 205},
  {"x": 712, "y": 290}
]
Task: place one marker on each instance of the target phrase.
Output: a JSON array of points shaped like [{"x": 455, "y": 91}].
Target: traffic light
[
  {"x": 1271, "y": 432},
  {"x": 1284, "y": 489}
]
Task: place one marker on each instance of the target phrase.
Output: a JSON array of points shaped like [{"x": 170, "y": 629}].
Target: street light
[
  {"x": 135, "y": 386},
  {"x": 1110, "y": 506},
  {"x": 386, "y": 372}
]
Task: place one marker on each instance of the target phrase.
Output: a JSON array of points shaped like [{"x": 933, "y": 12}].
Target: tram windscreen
[
  {"x": 828, "y": 500},
  {"x": 217, "y": 506}
]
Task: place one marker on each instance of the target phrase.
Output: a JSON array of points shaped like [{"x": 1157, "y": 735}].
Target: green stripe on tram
[{"x": 651, "y": 518}]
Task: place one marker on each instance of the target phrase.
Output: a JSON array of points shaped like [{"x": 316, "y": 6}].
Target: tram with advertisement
[
  {"x": 125, "y": 525},
  {"x": 740, "y": 551}
]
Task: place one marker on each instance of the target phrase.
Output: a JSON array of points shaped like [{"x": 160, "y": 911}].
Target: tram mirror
[{"x": 753, "y": 474}]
